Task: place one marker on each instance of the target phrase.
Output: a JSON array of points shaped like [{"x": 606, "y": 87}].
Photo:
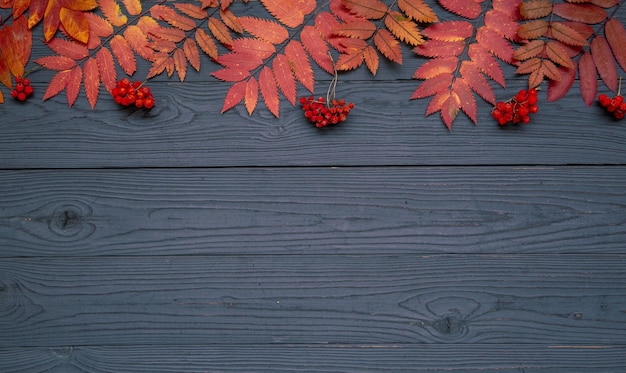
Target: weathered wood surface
[
  {"x": 183, "y": 240},
  {"x": 304, "y": 210}
]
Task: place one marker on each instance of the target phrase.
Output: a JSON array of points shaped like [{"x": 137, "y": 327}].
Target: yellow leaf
[
  {"x": 133, "y": 7},
  {"x": 403, "y": 28},
  {"x": 75, "y": 24},
  {"x": 83, "y": 5}
]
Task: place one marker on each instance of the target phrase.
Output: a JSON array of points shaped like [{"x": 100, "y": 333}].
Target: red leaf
[
  {"x": 234, "y": 96},
  {"x": 255, "y": 47},
  {"x": 9, "y": 51},
  {"x": 133, "y": 6},
  {"x": 22, "y": 39},
  {"x": 167, "y": 33},
  {"x": 436, "y": 66},
  {"x": 557, "y": 89},
  {"x": 326, "y": 23},
  {"x": 265, "y": 29},
  {"x": 486, "y": 63},
  {"x": 269, "y": 91},
  {"x": 51, "y": 19},
  {"x": 529, "y": 50},
  {"x": 68, "y": 48},
  {"x": 56, "y": 62},
  {"x": 284, "y": 77},
  {"x": 467, "y": 101},
  {"x": 81, "y": 5},
  {"x": 19, "y": 7},
  {"x": 603, "y": 58},
  {"x": 566, "y": 34},
  {"x": 160, "y": 63},
  {"x": 91, "y": 81},
  {"x": 449, "y": 31},
  {"x": 251, "y": 97},
  {"x": 300, "y": 64},
  {"x": 502, "y": 23},
  {"x": 75, "y": 24},
  {"x": 432, "y": 86},
  {"x": 37, "y": 10},
  {"x": 437, "y": 48},
  {"x": 173, "y": 18},
  {"x": 558, "y": 54},
  {"x": 388, "y": 45},
  {"x": 5, "y": 75},
  {"x": 450, "y": 109},
  {"x": 286, "y": 12},
  {"x": 317, "y": 48},
  {"x": 57, "y": 84},
  {"x": 584, "y": 13},
  {"x": 231, "y": 74},
  {"x": 191, "y": 53},
  {"x": 124, "y": 54},
  {"x": 73, "y": 85},
  {"x": 477, "y": 81},
  {"x": 106, "y": 69},
  {"x": 191, "y": 10},
  {"x": 495, "y": 44},
  {"x": 240, "y": 61},
  {"x": 466, "y": 8},
  {"x": 534, "y": 9},
  {"x": 435, "y": 103},
  {"x": 370, "y": 9},
  {"x": 616, "y": 36},
  {"x": 350, "y": 61}
]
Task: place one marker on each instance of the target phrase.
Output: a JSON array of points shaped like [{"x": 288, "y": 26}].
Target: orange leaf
[
  {"x": 436, "y": 66},
  {"x": 300, "y": 64},
  {"x": 112, "y": 12},
  {"x": 5, "y": 75},
  {"x": 616, "y": 37},
  {"x": 269, "y": 91},
  {"x": 1, "y": 98},
  {"x": 566, "y": 34},
  {"x": 477, "y": 81},
  {"x": 418, "y": 10},
  {"x": 98, "y": 25},
  {"x": 91, "y": 81},
  {"x": 106, "y": 68},
  {"x": 317, "y": 48},
  {"x": 19, "y": 7},
  {"x": 191, "y": 53},
  {"x": 251, "y": 97},
  {"x": 234, "y": 96},
  {"x": 370, "y": 9},
  {"x": 558, "y": 54},
  {"x": 603, "y": 58},
  {"x": 206, "y": 43},
  {"x": 124, "y": 54},
  {"x": 82, "y": 5},
  {"x": 138, "y": 41},
  {"x": 450, "y": 109},
  {"x": 37, "y": 10},
  {"x": 433, "y": 86},
  {"x": 51, "y": 19},
  {"x": 534, "y": 9},
  {"x": 436, "y": 102},
  {"x": 388, "y": 46},
  {"x": 326, "y": 23},
  {"x": 528, "y": 66},
  {"x": 191, "y": 10},
  {"x": 286, "y": 12},
  {"x": 284, "y": 77},
  {"x": 57, "y": 84},
  {"x": 265, "y": 29},
  {"x": 533, "y": 29},
  {"x": 240, "y": 61},
  {"x": 467, "y": 9},
  {"x": 371, "y": 59},
  {"x": 350, "y": 60},
  {"x": 403, "y": 28},
  {"x": 231, "y": 74},
  {"x": 231, "y": 21},
  {"x": 133, "y": 6},
  {"x": 361, "y": 29},
  {"x": 56, "y": 62},
  {"x": 170, "y": 16},
  {"x": 68, "y": 48},
  {"x": 22, "y": 39},
  {"x": 251, "y": 46},
  {"x": 588, "y": 78},
  {"x": 160, "y": 63},
  {"x": 75, "y": 23},
  {"x": 180, "y": 63},
  {"x": 168, "y": 33},
  {"x": 584, "y": 13},
  {"x": 531, "y": 49},
  {"x": 449, "y": 31},
  {"x": 149, "y": 25},
  {"x": 220, "y": 31}
]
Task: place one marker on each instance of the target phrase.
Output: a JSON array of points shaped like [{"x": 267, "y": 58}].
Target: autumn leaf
[
  {"x": 403, "y": 28},
  {"x": 603, "y": 59},
  {"x": 433, "y": 86},
  {"x": 192, "y": 10},
  {"x": 234, "y": 96},
  {"x": 583, "y": 13},
  {"x": 106, "y": 69},
  {"x": 284, "y": 77},
  {"x": 72, "y": 89},
  {"x": 80, "y": 5},
  {"x": 300, "y": 64},
  {"x": 466, "y": 9},
  {"x": 51, "y": 19},
  {"x": 269, "y": 91},
  {"x": 138, "y": 41},
  {"x": 588, "y": 78},
  {"x": 369, "y": 9},
  {"x": 317, "y": 48},
  {"x": 113, "y": 13},
  {"x": 251, "y": 96},
  {"x": 264, "y": 29},
  {"x": 557, "y": 89},
  {"x": 616, "y": 37},
  {"x": 75, "y": 24},
  {"x": 360, "y": 29},
  {"x": 132, "y": 6},
  {"x": 534, "y": 9},
  {"x": 37, "y": 9},
  {"x": 191, "y": 53},
  {"x": 231, "y": 74},
  {"x": 438, "y": 48},
  {"x": 286, "y": 12},
  {"x": 436, "y": 66},
  {"x": 449, "y": 31},
  {"x": 388, "y": 46},
  {"x": 220, "y": 32},
  {"x": 206, "y": 43},
  {"x": 477, "y": 81},
  {"x": 123, "y": 54},
  {"x": 68, "y": 48},
  {"x": 57, "y": 84},
  {"x": 57, "y": 63},
  {"x": 418, "y": 10},
  {"x": 180, "y": 63},
  {"x": 91, "y": 81}
]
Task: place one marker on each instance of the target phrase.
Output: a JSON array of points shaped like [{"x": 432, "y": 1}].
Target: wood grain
[
  {"x": 506, "y": 358},
  {"x": 185, "y": 129},
  {"x": 268, "y": 299},
  {"x": 313, "y": 210}
]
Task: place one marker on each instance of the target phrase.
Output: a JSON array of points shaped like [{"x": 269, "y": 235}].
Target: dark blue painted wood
[{"x": 183, "y": 240}]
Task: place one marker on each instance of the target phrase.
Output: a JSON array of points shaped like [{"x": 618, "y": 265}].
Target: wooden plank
[
  {"x": 185, "y": 129},
  {"x": 313, "y": 210},
  {"x": 311, "y": 299},
  {"x": 317, "y": 359}
]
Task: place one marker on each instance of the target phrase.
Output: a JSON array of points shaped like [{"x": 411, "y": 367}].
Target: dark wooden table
[{"x": 183, "y": 240}]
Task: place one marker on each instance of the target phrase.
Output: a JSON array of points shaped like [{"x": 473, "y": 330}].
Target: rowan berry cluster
[
  {"x": 614, "y": 105},
  {"x": 126, "y": 93},
  {"x": 23, "y": 90},
  {"x": 517, "y": 109},
  {"x": 322, "y": 113}
]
